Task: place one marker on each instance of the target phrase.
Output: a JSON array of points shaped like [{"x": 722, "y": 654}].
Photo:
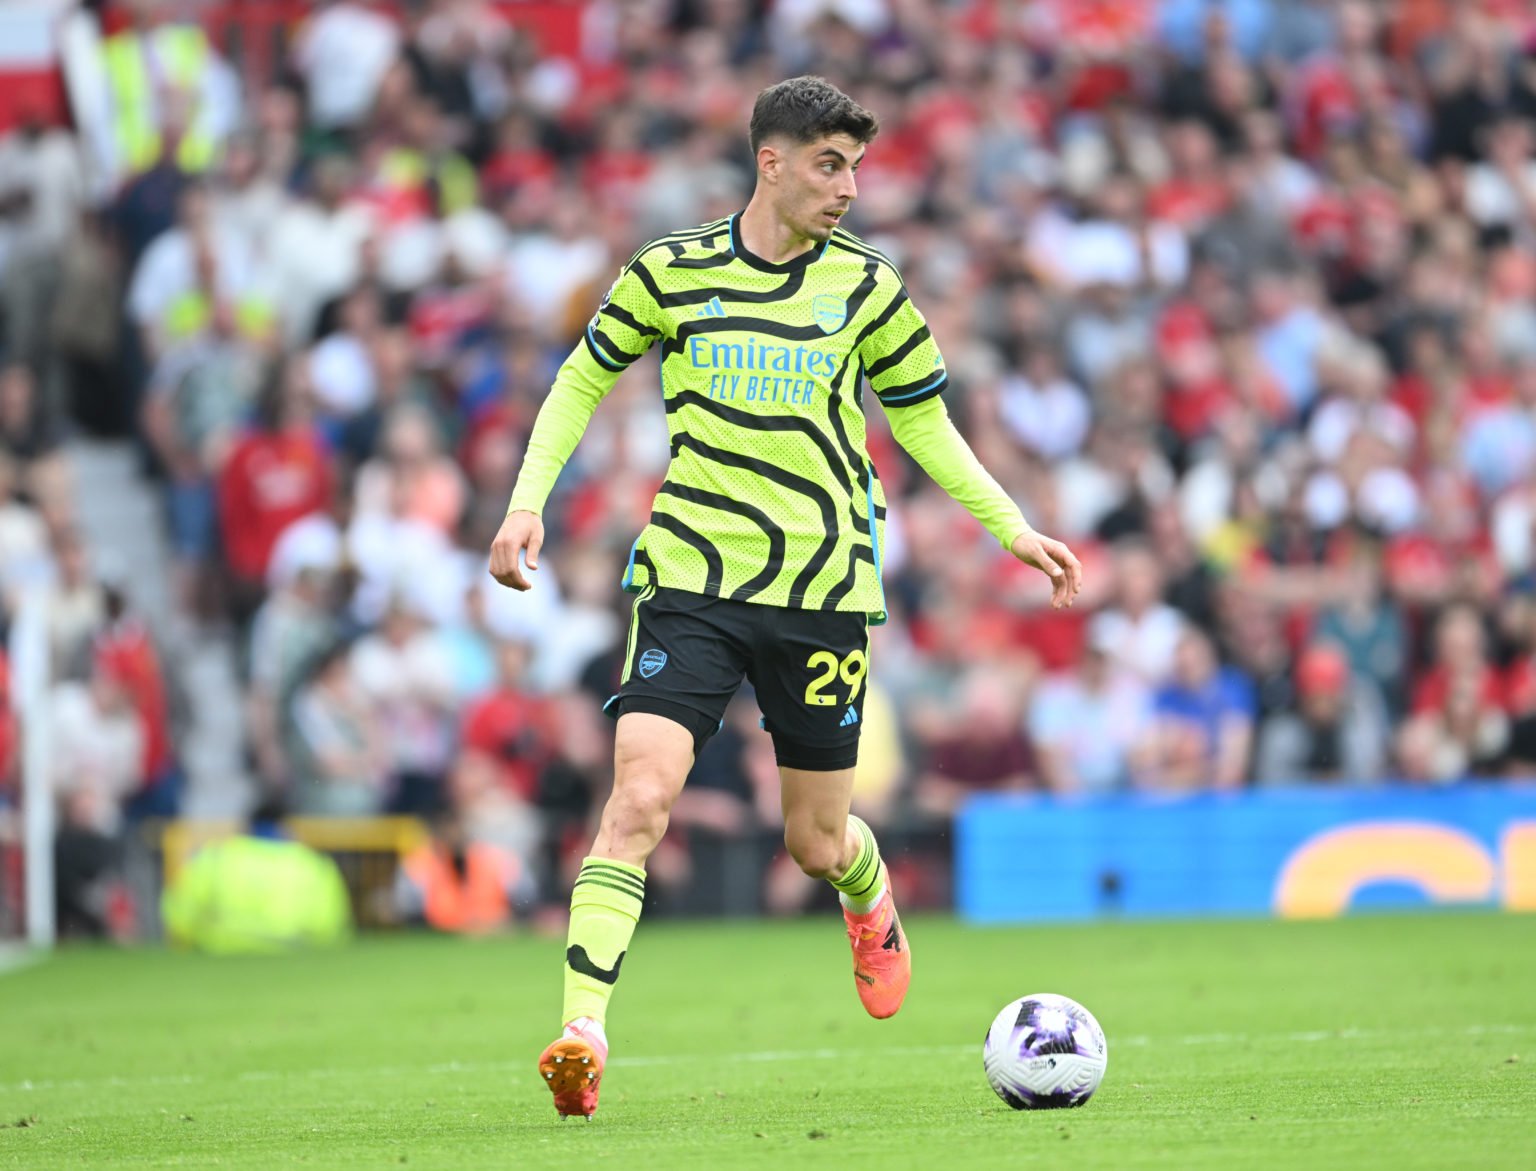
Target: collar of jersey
[{"x": 742, "y": 253}]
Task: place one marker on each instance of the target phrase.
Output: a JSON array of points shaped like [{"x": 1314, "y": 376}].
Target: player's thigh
[
  {"x": 685, "y": 658},
  {"x": 808, "y": 669},
  {"x": 652, "y": 756}
]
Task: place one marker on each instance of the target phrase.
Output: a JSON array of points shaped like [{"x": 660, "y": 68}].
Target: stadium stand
[{"x": 1237, "y": 296}]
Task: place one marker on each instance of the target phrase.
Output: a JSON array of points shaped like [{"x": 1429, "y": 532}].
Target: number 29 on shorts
[{"x": 850, "y": 669}]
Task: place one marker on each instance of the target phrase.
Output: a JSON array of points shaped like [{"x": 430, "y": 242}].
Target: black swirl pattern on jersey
[
  {"x": 627, "y": 319},
  {"x": 612, "y": 349},
  {"x": 717, "y": 259},
  {"x": 683, "y": 236},
  {"x": 808, "y": 488},
  {"x": 792, "y": 284},
  {"x": 776, "y": 329},
  {"x": 714, "y": 565},
  {"x": 897, "y": 356},
  {"x": 856, "y": 554},
  {"x": 773, "y": 566},
  {"x": 755, "y": 422},
  {"x": 851, "y": 243}
]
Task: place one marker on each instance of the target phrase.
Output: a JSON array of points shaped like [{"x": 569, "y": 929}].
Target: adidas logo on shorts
[{"x": 850, "y": 717}]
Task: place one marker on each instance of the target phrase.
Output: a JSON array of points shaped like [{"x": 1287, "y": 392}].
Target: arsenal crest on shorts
[{"x": 652, "y": 661}]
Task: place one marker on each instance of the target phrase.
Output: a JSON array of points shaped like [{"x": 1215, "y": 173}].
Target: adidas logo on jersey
[
  {"x": 850, "y": 717},
  {"x": 713, "y": 309}
]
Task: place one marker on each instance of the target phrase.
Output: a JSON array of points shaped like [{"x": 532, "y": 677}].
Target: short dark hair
[
  {"x": 804, "y": 109},
  {"x": 271, "y": 809}
]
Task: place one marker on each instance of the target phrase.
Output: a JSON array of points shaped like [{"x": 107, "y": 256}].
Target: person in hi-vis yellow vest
[
  {"x": 257, "y": 892},
  {"x": 169, "y": 90}
]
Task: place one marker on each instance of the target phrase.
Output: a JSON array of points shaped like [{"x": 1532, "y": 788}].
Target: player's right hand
[{"x": 520, "y": 538}]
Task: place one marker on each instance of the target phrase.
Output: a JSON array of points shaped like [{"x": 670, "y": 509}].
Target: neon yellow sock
[
  {"x": 862, "y": 883},
  {"x": 605, "y": 906}
]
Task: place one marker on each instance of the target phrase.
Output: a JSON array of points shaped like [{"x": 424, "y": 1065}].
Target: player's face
[{"x": 819, "y": 185}]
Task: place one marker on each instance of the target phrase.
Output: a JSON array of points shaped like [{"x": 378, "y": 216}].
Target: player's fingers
[
  {"x": 500, "y": 562},
  {"x": 1068, "y": 561},
  {"x": 513, "y": 580},
  {"x": 1041, "y": 559},
  {"x": 1061, "y": 588},
  {"x": 504, "y": 563},
  {"x": 515, "y": 570},
  {"x": 535, "y": 543},
  {"x": 1061, "y": 569}
]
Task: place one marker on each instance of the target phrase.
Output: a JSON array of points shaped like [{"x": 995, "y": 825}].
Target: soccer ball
[{"x": 1043, "y": 1052}]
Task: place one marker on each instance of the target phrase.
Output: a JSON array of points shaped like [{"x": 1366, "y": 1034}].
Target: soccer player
[{"x": 762, "y": 556}]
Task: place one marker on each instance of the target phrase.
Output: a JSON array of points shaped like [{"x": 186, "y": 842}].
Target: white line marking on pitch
[
  {"x": 14, "y": 959},
  {"x": 1310, "y": 1036}
]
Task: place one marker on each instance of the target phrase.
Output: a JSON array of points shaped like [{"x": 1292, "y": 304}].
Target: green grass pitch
[{"x": 1388, "y": 1041}]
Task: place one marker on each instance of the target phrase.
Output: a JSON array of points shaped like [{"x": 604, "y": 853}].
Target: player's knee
[
  {"x": 818, "y": 854},
  {"x": 636, "y": 814}
]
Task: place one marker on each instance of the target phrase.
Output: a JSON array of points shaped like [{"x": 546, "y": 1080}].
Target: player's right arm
[{"x": 624, "y": 327}]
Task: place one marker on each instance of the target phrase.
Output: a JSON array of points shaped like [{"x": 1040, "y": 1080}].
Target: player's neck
[{"x": 768, "y": 237}]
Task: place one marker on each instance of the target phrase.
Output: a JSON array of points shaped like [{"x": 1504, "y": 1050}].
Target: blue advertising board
[{"x": 1298, "y": 853}]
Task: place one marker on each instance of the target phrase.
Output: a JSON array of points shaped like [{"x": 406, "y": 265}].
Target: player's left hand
[{"x": 1055, "y": 560}]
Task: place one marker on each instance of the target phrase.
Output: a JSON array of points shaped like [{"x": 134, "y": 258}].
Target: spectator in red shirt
[
  {"x": 125, "y": 650},
  {"x": 1196, "y": 189},
  {"x": 1461, "y": 660},
  {"x": 1334, "y": 90},
  {"x": 509, "y": 725},
  {"x": 277, "y": 472},
  {"x": 1465, "y": 738},
  {"x": 1450, "y": 557},
  {"x": 1459, "y": 724},
  {"x": 615, "y": 171},
  {"x": 519, "y": 158}
]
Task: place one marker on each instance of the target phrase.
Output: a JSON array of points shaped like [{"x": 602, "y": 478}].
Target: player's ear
[{"x": 770, "y": 161}]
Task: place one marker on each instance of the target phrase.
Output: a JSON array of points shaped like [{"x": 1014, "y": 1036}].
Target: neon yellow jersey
[{"x": 770, "y": 496}]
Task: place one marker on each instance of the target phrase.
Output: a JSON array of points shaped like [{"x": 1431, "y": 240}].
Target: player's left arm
[
  {"x": 931, "y": 438},
  {"x": 906, "y": 372}
]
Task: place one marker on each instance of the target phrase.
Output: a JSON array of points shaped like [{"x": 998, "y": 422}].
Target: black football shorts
[{"x": 688, "y": 653}]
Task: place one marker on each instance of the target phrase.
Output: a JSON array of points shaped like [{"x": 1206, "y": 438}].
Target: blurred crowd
[{"x": 1238, "y": 297}]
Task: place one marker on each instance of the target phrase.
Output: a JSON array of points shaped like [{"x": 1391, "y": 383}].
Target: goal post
[{"x": 30, "y": 679}]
